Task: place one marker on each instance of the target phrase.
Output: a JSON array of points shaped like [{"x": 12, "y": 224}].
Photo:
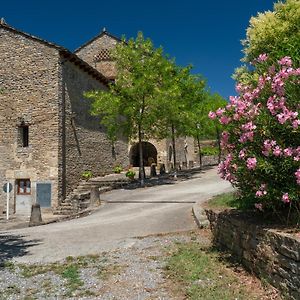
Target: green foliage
[
  {"x": 130, "y": 173},
  {"x": 71, "y": 273},
  {"x": 131, "y": 106},
  {"x": 87, "y": 175},
  {"x": 226, "y": 200},
  {"x": 118, "y": 169},
  {"x": 276, "y": 33},
  {"x": 209, "y": 150}
]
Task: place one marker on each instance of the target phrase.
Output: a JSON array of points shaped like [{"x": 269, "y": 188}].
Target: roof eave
[{"x": 96, "y": 37}]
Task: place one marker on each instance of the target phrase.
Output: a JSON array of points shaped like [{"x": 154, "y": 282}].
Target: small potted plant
[
  {"x": 118, "y": 169},
  {"x": 87, "y": 175},
  {"x": 130, "y": 174}
]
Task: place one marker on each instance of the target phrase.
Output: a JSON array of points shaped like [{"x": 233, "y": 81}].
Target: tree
[
  {"x": 132, "y": 103},
  {"x": 201, "y": 125},
  {"x": 275, "y": 33},
  {"x": 179, "y": 96}
]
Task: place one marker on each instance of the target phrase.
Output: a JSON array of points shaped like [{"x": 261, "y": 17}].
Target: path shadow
[
  {"x": 14, "y": 246},
  {"x": 168, "y": 178}
]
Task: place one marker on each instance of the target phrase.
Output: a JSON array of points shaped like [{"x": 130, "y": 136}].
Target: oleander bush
[{"x": 262, "y": 137}]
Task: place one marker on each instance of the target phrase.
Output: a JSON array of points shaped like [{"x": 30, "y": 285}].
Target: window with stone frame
[
  {"x": 23, "y": 135},
  {"x": 23, "y": 187}
]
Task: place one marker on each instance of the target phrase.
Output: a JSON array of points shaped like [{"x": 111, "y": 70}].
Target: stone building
[
  {"x": 96, "y": 52},
  {"x": 47, "y": 136}
]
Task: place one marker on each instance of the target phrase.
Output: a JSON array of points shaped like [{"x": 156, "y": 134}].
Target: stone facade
[
  {"x": 87, "y": 147},
  {"x": 47, "y": 137},
  {"x": 29, "y": 73},
  {"x": 271, "y": 255}
]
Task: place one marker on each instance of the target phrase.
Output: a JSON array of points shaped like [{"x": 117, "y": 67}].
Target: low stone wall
[
  {"x": 271, "y": 255},
  {"x": 211, "y": 160}
]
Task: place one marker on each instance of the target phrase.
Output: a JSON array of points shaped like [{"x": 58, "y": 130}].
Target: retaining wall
[{"x": 271, "y": 255}]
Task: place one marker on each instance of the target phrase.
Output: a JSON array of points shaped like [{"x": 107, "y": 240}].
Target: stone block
[
  {"x": 94, "y": 196},
  {"x": 36, "y": 215}
]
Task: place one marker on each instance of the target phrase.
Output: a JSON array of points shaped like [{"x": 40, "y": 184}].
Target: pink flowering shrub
[{"x": 262, "y": 137}]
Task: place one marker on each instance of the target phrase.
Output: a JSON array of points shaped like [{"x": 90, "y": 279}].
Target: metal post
[{"x": 7, "y": 201}]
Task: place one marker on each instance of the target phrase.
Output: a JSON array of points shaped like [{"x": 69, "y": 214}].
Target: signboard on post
[{"x": 7, "y": 188}]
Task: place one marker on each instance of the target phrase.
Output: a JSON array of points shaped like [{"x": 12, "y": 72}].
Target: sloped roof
[
  {"x": 73, "y": 58},
  {"x": 103, "y": 33}
]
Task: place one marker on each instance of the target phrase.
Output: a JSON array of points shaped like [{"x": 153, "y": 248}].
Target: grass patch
[
  {"x": 226, "y": 200},
  {"x": 199, "y": 274},
  {"x": 68, "y": 270},
  {"x": 9, "y": 265},
  {"x": 71, "y": 273}
]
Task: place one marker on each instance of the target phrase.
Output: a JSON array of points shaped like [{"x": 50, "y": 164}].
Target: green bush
[
  {"x": 118, "y": 169},
  {"x": 130, "y": 173},
  {"x": 87, "y": 175},
  {"x": 209, "y": 150}
]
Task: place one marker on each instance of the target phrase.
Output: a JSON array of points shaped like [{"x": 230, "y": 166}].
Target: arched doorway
[{"x": 149, "y": 154}]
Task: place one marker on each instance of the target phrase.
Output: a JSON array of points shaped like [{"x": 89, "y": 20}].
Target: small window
[
  {"x": 104, "y": 54},
  {"x": 24, "y": 136},
  {"x": 24, "y": 187}
]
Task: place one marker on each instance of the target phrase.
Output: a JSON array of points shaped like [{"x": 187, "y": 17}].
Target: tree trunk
[
  {"x": 219, "y": 144},
  {"x": 199, "y": 150},
  {"x": 141, "y": 164},
  {"x": 174, "y": 151}
]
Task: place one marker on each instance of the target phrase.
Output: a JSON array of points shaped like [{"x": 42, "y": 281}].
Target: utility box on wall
[{"x": 43, "y": 194}]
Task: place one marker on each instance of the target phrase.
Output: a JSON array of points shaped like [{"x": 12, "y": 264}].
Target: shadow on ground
[
  {"x": 14, "y": 246},
  {"x": 168, "y": 179}
]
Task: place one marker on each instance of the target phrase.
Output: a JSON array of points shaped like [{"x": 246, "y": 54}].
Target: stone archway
[{"x": 149, "y": 154}]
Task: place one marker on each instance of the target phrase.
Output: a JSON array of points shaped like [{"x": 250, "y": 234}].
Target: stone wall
[
  {"x": 28, "y": 95},
  {"x": 271, "y": 255},
  {"x": 87, "y": 147}
]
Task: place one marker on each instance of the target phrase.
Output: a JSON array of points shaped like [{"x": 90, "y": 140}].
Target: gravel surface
[{"x": 135, "y": 273}]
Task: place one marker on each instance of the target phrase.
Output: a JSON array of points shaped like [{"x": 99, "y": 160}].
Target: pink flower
[
  {"x": 285, "y": 198},
  {"x": 251, "y": 163},
  {"x": 285, "y": 61},
  {"x": 288, "y": 152},
  {"x": 262, "y": 57},
  {"x": 224, "y": 120},
  {"x": 258, "y": 206},
  {"x": 261, "y": 192},
  {"x": 296, "y": 123},
  {"x": 297, "y": 174},
  {"x": 220, "y": 112},
  {"x": 212, "y": 115},
  {"x": 277, "y": 151},
  {"x": 242, "y": 153}
]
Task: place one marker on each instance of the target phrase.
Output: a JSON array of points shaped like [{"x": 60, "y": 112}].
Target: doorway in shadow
[{"x": 149, "y": 154}]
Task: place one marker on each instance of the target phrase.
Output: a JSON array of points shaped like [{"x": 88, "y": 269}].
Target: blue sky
[{"x": 205, "y": 34}]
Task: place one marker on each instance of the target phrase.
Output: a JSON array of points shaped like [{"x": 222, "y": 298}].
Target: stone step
[
  {"x": 105, "y": 189},
  {"x": 84, "y": 205},
  {"x": 65, "y": 204},
  {"x": 64, "y": 212}
]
